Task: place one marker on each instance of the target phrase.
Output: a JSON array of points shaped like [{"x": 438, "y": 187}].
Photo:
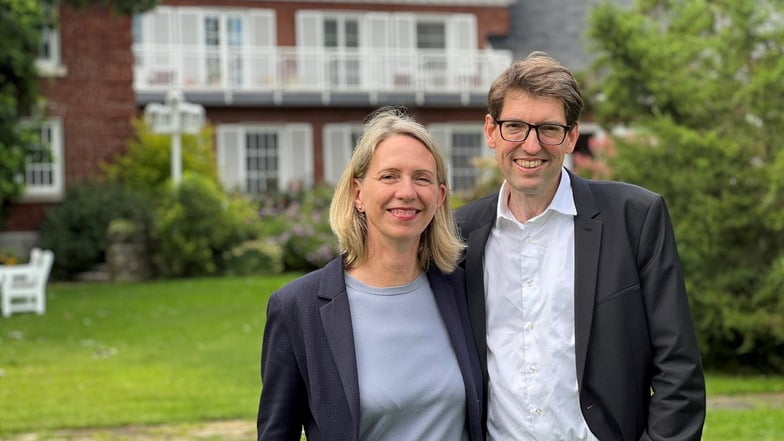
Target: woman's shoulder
[{"x": 309, "y": 285}]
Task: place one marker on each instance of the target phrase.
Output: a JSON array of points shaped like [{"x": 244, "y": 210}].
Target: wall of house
[
  {"x": 93, "y": 96},
  {"x": 319, "y": 116}
]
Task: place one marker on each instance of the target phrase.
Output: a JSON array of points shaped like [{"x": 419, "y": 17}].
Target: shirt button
[
  {"x": 532, "y": 369},
  {"x": 529, "y": 326},
  {"x": 529, "y": 240},
  {"x": 530, "y": 282},
  {"x": 538, "y": 412}
]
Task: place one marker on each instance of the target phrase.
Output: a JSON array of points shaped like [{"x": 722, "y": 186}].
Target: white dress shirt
[{"x": 529, "y": 293}]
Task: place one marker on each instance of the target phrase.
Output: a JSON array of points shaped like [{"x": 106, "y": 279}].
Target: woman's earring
[{"x": 360, "y": 208}]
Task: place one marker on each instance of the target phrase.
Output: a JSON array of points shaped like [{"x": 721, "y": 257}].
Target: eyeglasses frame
[{"x": 534, "y": 127}]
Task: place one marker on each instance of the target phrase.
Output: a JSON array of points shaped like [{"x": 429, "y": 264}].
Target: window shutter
[
  {"x": 262, "y": 29},
  {"x": 189, "y": 31},
  {"x": 310, "y": 40},
  {"x": 192, "y": 47},
  {"x": 157, "y": 26},
  {"x": 231, "y": 158},
  {"x": 375, "y": 31},
  {"x": 441, "y": 134},
  {"x": 462, "y": 33},
  {"x": 404, "y": 31},
  {"x": 337, "y": 151},
  {"x": 296, "y": 157},
  {"x": 375, "y": 41},
  {"x": 309, "y": 29}
]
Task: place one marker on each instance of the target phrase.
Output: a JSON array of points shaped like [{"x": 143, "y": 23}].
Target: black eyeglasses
[{"x": 517, "y": 131}]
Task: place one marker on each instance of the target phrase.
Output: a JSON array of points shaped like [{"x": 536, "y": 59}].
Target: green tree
[
  {"x": 21, "y": 22},
  {"x": 147, "y": 163},
  {"x": 21, "y": 25},
  {"x": 698, "y": 83}
]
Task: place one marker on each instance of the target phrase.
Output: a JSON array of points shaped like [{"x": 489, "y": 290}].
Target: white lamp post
[{"x": 175, "y": 118}]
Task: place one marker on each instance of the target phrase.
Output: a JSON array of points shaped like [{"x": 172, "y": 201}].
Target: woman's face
[{"x": 400, "y": 192}]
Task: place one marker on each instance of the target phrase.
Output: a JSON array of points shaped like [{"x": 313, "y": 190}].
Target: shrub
[
  {"x": 195, "y": 224},
  {"x": 76, "y": 229},
  {"x": 254, "y": 257},
  {"x": 146, "y": 165},
  {"x": 299, "y": 222}
]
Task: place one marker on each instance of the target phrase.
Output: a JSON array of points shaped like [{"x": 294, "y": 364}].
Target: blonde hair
[{"x": 439, "y": 244}]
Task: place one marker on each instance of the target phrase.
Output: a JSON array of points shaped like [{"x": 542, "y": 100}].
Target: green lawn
[
  {"x": 115, "y": 354},
  {"x": 184, "y": 351}
]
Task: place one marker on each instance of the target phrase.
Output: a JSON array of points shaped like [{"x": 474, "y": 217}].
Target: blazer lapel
[
  {"x": 587, "y": 242},
  {"x": 447, "y": 306},
  {"x": 336, "y": 320},
  {"x": 475, "y": 276}
]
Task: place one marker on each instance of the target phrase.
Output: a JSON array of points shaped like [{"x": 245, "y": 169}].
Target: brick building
[{"x": 286, "y": 84}]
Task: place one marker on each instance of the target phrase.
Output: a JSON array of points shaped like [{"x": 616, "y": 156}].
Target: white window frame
[
  {"x": 295, "y": 149},
  {"x": 52, "y": 192},
  {"x": 50, "y": 65},
  {"x": 443, "y": 136},
  {"x": 392, "y": 33},
  {"x": 174, "y": 41}
]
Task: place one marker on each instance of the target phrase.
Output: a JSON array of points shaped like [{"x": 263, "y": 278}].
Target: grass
[
  {"x": 115, "y": 354},
  {"x": 180, "y": 352}
]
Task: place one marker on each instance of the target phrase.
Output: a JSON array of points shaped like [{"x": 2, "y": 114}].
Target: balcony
[{"x": 287, "y": 76}]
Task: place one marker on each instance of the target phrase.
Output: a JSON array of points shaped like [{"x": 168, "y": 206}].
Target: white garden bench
[{"x": 23, "y": 286}]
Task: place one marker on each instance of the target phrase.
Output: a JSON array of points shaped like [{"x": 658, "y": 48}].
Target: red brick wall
[{"x": 94, "y": 99}]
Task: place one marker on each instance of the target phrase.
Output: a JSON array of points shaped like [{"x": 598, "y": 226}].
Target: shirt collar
[{"x": 563, "y": 201}]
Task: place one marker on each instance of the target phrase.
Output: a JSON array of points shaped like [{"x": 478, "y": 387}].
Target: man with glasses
[{"x": 577, "y": 298}]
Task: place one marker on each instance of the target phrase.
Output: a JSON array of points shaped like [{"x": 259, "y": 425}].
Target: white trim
[
  {"x": 54, "y": 191},
  {"x": 294, "y": 161}
]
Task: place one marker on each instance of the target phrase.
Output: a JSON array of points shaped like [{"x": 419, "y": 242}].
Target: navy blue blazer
[
  {"x": 638, "y": 366},
  {"x": 308, "y": 363}
]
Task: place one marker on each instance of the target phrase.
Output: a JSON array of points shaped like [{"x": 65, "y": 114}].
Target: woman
[{"x": 376, "y": 345}]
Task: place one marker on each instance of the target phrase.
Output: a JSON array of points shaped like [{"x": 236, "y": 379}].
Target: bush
[
  {"x": 299, "y": 222},
  {"x": 254, "y": 257},
  {"x": 147, "y": 163},
  {"x": 76, "y": 229},
  {"x": 195, "y": 224}
]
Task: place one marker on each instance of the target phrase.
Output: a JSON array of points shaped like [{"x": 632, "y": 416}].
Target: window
[
  {"x": 339, "y": 143},
  {"x": 48, "y": 61},
  {"x": 462, "y": 144},
  {"x": 431, "y": 35},
  {"x": 258, "y": 158},
  {"x": 261, "y": 162},
  {"x": 192, "y": 46},
  {"x": 43, "y": 174},
  {"x": 341, "y": 38}
]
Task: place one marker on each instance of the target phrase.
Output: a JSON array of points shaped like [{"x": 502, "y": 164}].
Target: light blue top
[{"x": 410, "y": 385}]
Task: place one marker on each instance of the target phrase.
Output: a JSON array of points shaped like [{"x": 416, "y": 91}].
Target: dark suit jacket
[
  {"x": 638, "y": 366},
  {"x": 308, "y": 363}
]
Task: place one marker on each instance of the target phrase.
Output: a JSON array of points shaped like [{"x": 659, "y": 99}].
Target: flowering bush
[{"x": 299, "y": 222}]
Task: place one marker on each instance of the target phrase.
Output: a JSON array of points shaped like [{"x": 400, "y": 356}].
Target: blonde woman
[{"x": 376, "y": 345}]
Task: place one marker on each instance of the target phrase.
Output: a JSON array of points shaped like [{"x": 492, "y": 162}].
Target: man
[{"x": 576, "y": 294}]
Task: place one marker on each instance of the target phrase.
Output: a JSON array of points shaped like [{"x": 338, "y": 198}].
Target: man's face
[{"x": 532, "y": 170}]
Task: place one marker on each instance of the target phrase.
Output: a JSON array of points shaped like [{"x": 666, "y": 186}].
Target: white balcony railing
[{"x": 286, "y": 69}]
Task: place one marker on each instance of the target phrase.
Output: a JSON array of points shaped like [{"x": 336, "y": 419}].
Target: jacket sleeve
[
  {"x": 677, "y": 405},
  {"x": 283, "y": 396}
]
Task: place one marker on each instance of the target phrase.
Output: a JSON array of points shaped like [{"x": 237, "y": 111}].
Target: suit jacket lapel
[
  {"x": 336, "y": 320},
  {"x": 587, "y": 243},
  {"x": 475, "y": 276},
  {"x": 446, "y": 300}
]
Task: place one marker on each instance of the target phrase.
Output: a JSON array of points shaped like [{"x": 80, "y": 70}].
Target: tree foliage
[
  {"x": 21, "y": 22},
  {"x": 21, "y": 26},
  {"x": 699, "y": 83}
]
